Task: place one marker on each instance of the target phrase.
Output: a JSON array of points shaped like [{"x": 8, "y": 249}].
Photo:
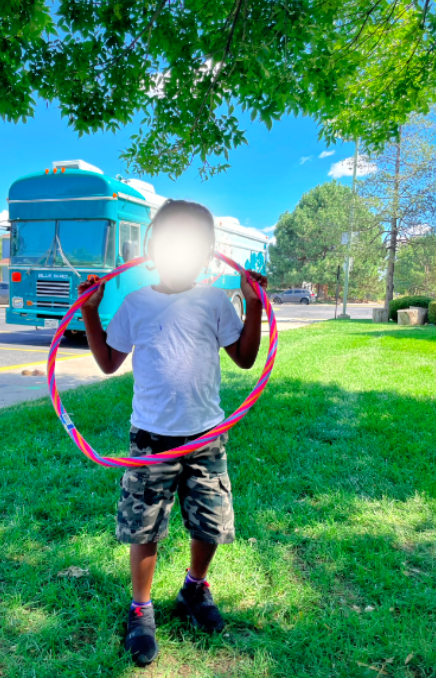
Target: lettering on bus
[{"x": 54, "y": 275}]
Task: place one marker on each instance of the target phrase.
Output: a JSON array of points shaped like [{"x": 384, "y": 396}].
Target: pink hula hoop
[{"x": 183, "y": 449}]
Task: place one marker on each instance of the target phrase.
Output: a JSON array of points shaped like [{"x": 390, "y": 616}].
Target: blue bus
[{"x": 72, "y": 222}]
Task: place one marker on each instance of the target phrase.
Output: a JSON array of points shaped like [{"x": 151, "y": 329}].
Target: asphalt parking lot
[
  {"x": 25, "y": 350},
  {"x": 22, "y": 347},
  {"x": 300, "y": 315}
]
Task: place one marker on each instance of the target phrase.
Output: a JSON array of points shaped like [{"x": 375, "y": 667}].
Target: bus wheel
[
  {"x": 74, "y": 335},
  {"x": 238, "y": 305}
]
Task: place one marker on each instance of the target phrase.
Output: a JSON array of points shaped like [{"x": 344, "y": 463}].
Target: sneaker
[
  {"x": 141, "y": 635},
  {"x": 195, "y": 602}
]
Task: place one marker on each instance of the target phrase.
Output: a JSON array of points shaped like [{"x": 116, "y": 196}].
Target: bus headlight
[{"x": 17, "y": 302}]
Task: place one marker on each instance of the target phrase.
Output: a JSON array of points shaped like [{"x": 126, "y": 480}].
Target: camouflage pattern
[{"x": 200, "y": 479}]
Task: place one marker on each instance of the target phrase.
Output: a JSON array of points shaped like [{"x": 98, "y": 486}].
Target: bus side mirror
[{"x": 128, "y": 251}]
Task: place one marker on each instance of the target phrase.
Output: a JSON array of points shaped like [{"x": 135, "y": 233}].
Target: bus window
[
  {"x": 110, "y": 246},
  {"x": 124, "y": 234},
  {"x": 83, "y": 242},
  {"x": 134, "y": 237},
  {"x": 129, "y": 233}
]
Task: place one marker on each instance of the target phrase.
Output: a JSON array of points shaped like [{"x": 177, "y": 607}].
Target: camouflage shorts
[{"x": 199, "y": 478}]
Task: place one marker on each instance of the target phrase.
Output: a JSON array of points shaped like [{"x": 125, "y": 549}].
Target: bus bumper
[{"x": 45, "y": 321}]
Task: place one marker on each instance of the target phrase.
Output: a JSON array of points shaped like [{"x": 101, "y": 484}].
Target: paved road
[
  {"x": 298, "y": 314},
  {"x": 22, "y": 347},
  {"x": 26, "y": 349}
]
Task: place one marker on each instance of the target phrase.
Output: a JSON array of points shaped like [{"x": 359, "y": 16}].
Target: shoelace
[
  {"x": 203, "y": 592},
  {"x": 141, "y": 619}
]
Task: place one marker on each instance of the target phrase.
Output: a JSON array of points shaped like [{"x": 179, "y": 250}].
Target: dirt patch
[{"x": 221, "y": 664}]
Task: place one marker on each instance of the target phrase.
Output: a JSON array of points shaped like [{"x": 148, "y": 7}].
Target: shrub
[
  {"x": 406, "y": 302},
  {"x": 432, "y": 313}
]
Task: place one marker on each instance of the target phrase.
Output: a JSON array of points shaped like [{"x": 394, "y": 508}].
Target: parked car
[
  {"x": 300, "y": 296},
  {"x": 4, "y": 293}
]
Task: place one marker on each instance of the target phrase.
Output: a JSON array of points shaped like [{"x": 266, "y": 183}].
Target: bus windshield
[
  {"x": 88, "y": 243},
  {"x": 32, "y": 241}
]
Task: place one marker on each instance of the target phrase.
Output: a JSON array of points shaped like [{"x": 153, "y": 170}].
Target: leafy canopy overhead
[{"x": 359, "y": 67}]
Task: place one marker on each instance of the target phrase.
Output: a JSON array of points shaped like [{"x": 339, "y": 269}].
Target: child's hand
[
  {"x": 247, "y": 290},
  {"x": 94, "y": 300}
]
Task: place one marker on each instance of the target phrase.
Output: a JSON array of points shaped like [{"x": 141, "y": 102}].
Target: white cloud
[
  {"x": 325, "y": 154},
  {"x": 272, "y": 241},
  {"x": 269, "y": 229},
  {"x": 305, "y": 158},
  {"x": 419, "y": 230},
  {"x": 344, "y": 168},
  {"x": 4, "y": 216}
]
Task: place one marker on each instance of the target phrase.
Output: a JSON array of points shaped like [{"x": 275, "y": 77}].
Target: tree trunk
[{"x": 393, "y": 239}]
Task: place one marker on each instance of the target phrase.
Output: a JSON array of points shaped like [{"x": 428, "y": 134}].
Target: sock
[
  {"x": 136, "y": 604},
  {"x": 192, "y": 580}
]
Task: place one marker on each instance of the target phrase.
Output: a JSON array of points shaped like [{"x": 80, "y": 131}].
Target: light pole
[{"x": 344, "y": 314}]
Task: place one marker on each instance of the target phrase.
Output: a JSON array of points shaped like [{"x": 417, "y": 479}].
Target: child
[{"x": 177, "y": 329}]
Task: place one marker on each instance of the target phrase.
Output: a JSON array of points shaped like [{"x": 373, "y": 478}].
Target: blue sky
[{"x": 266, "y": 178}]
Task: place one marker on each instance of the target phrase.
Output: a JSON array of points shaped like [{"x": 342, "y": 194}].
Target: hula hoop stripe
[{"x": 193, "y": 445}]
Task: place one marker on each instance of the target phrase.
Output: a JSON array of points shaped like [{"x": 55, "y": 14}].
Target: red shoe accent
[{"x": 138, "y": 611}]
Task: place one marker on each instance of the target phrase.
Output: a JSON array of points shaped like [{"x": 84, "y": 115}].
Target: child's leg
[
  {"x": 147, "y": 496},
  {"x": 142, "y": 564},
  {"x": 202, "y": 554},
  {"x": 206, "y": 502},
  {"x": 141, "y": 627}
]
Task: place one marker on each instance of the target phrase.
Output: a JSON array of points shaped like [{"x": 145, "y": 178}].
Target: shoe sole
[
  {"x": 136, "y": 660},
  {"x": 185, "y": 613}
]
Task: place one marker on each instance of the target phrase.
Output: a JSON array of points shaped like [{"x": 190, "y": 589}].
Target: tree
[
  {"x": 403, "y": 190},
  {"x": 185, "y": 65},
  {"x": 415, "y": 270},
  {"x": 396, "y": 52},
  {"x": 309, "y": 241}
]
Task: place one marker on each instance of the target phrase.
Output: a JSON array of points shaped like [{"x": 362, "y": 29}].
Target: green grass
[{"x": 334, "y": 485}]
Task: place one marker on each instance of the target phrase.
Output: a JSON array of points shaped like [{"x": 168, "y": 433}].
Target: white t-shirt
[{"x": 176, "y": 364}]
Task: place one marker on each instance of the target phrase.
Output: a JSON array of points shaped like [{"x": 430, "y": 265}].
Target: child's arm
[
  {"x": 108, "y": 358},
  {"x": 244, "y": 351}
]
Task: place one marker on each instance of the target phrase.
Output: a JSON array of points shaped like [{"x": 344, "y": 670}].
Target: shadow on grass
[
  {"x": 391, "y": 330},
  {"x": 333, "y": 567}
]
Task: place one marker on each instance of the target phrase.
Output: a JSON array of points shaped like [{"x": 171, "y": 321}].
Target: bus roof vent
[
  {"x": 232, "y": 224},
  {"x": 154, "y": 201},
  {"x": 76, "y": 164},
  {"x": 227, "y": 221},
  {"x": 140, "y": 186}
]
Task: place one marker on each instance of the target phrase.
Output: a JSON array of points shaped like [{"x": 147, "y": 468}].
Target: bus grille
[
  {"x": 59, "y": 289},
  {"x": 53, "y": 304}
]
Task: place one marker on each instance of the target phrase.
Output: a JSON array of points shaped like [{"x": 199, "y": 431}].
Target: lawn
[{"x": 333, "y": 571}]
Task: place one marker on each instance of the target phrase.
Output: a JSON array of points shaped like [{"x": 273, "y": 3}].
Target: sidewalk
[
  {"x": 80, "y": 371},
  {"x": 74, "y": 372}
]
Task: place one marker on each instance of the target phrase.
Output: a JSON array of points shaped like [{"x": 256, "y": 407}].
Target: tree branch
[
  {"x": 148, "y": 27},
  {"x": 217, "y": 75}
]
